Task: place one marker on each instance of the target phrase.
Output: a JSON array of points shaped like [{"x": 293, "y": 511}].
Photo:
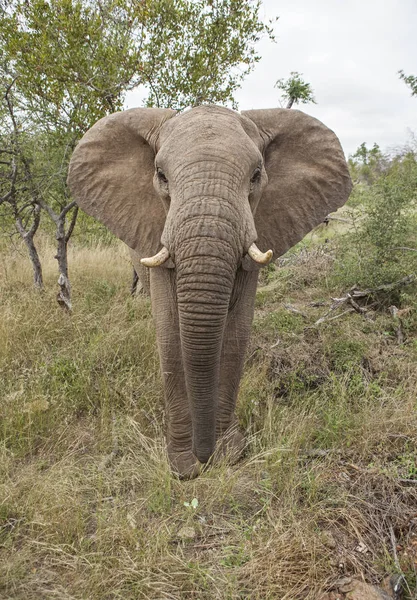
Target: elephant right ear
[
  {"x": 111, "y": 176},
  {"x": 308, "y": 177}
]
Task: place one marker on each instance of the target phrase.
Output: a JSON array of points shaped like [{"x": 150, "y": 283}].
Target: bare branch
[
  {"x": 72, "y": 224},
  {"x": 48, "y": 209},
  {"x": 405, "y": 248},
  {"x": 324, "y": 319},
  {"x": 11, "y": 192},
  {"x": 20, "y": 227},
  {"x": 66, "y": 209},
  {"x": 36, "y": 221},
  {"x": 353, "y": 294}
]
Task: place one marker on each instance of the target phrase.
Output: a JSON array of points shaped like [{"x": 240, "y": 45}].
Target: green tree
[
  {"x": 73, "y": 61},
  {"x": 76, "y": 59},
  {"x": 367, "y": 164},
  {"x": 18, "y": 194},
  {"x": 295, "y": 90},
  {"x": 411, "y": 81}
]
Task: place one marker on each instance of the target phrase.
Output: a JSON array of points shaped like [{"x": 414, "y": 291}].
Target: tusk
[
  {"x": 157, "y": 260},
  {"x": 262, "y": 258}
]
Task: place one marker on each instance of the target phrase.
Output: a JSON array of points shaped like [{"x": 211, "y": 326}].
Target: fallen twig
[
  {"x": 404, "y": 248},
  {"x": 323, "y": 319},
  {"x": 295, "y": 310},
  {"x": 360, "y": 309},
  {"x": 385, "y": 287},
  {"x": 354, "y": 294},
  {"x": 401, "y": 578}
]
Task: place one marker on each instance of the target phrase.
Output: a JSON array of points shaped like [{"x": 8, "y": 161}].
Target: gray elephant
[{"x": 194, "y": 195}]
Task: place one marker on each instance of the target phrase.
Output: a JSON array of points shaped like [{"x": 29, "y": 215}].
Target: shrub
[{"x": 382, "y": 247}]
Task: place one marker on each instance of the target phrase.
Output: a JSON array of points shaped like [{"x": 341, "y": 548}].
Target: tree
[
  {"x": 367, "y": 164},
  {"x": 36, "y": 180},
  {"x": 80, "y": 57},
  {"x": 411, "y": 81},
  {"x": 18, "y": 195},
  {"x": 74, "y": 60},
  {"x": 295, "y": 90}
]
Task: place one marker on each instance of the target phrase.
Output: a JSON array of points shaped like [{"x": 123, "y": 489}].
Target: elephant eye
[
  {"x": 161, "y": 176},
  {"x": 256, "y": 175}
]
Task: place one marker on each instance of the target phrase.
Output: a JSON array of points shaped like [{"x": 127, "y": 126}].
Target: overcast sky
[{"x": 350, "y": 51}]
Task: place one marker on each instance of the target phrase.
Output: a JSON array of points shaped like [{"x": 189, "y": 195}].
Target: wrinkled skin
[
  {"x": 209, "y": 176},
  {"x": 208, "y": 230}
]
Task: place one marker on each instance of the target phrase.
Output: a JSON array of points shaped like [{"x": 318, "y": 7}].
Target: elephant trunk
[{"x": 206, "y": 269}]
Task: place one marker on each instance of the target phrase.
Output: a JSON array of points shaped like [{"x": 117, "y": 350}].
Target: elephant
[{"x": 205, "y": 198}]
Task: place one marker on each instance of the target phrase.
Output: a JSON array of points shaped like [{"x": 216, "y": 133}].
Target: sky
[{"x": 350, "y": 51}]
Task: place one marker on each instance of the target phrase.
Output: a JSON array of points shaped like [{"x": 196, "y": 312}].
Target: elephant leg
[
  {"x": 230, "y": 439},
  {"x": 178, "y": 416}
]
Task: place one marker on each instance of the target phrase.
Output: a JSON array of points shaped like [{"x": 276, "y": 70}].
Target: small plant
[{"x": 193, "y": 504}]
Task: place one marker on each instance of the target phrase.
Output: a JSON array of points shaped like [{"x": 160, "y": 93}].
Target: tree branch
[
  {"x": 72, "y": 223},
  {"x": 66, "y": 209},
  {"x": 36, "y": 221},
  {"x": 48, "y": 209},
  {"x": 12, "y": 190}
]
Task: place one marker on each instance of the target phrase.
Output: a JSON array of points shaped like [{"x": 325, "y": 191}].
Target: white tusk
[
  {"x": 262, "y": 258},
  {"x": 157, "y": 260}
]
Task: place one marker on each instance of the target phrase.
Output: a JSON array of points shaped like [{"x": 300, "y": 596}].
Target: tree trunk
[
  {"x": 27, "y": 237},
  {"x": 62, "y": 237},
  {"x": 64, "y": 294},
  {"x": 36, "y": 263}
]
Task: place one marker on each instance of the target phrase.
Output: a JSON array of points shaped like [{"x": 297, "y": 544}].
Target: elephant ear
[
  {"x": 308, "y": 177},
  {"x": 111, "y": 176}
]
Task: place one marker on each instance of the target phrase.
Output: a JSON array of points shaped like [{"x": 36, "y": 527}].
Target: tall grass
[{"x": 88, "y": 505}]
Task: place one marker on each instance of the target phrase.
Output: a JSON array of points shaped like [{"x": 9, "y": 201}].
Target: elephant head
[{"x": 208, "y": 193}]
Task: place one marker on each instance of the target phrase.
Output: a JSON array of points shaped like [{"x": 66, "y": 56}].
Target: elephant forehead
[{"x": 205, "y": 126}]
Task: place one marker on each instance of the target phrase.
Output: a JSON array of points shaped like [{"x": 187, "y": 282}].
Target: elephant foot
[
  {"x": 184, "y": 464},
  {"x": 230, "y": 446}
]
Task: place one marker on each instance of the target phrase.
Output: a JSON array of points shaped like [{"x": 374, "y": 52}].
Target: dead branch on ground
[{"x": 354, "y": 294}]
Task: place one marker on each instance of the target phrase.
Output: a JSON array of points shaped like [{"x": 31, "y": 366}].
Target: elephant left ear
[{"x": 308, "y": 177}]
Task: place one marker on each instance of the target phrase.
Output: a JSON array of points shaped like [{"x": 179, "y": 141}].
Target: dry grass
[{"x": 88, "y": 506}]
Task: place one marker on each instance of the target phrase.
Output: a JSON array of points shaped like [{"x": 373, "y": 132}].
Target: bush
[{"x": 382, "y": 247}]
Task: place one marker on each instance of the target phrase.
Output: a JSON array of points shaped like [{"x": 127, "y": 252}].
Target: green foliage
[
  {"x": 366, "y": 164},
  {"x": 67, "y": 63},
  {"x": 279, "y": 321},
  {"x": 295, "y": 90},
  {"x": 391, "y": 221},
  {"x": 202, "y": 50},
  {"x": 85, "y": 55},
  {"x": 345, "y": 354},
  {"x": 411, "y": 81},
  {"x": 382, "y": 247}
]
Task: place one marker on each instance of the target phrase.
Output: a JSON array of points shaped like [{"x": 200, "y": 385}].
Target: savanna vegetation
[
  {"x": 89, "y": 508},
  {"x": 64, "y": 64},
  {"x": 328, "y": 486}
]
